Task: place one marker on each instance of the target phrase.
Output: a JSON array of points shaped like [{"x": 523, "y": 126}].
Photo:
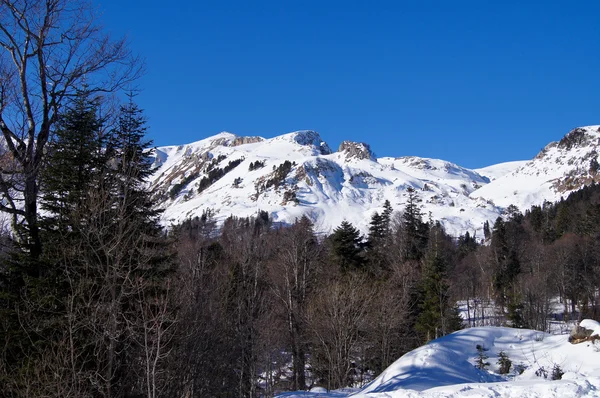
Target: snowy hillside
[
  {"x": 298, "y": 174},
  {"x": 560, "y": 168},
  {"x": 446, "y": 368}
]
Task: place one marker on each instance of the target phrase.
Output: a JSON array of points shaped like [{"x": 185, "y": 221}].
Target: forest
[
  {"x": 116, "y": 305},
  {"x": 99, "y": 299}
]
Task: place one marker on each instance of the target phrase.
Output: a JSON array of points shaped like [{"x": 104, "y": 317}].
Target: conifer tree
[
  {"x": 347, "y": 247},
  {"x": 437, "y": 315},
  {"x": 414, "y": 228},
  {"x": 75, "y": 158},
  {"x": 128, "y": 248}
]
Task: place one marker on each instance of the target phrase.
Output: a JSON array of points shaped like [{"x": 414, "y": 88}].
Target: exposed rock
[
  {"x": 356, "y": 150},
  {"x": 246, "y": 140},
  {"x": 312, "y": 138},
  {"x": 580, "y": 334},
  {"x": 576, "y": 137}
]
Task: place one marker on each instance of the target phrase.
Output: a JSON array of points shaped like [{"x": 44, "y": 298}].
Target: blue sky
[{"x": 473, "y": 82}]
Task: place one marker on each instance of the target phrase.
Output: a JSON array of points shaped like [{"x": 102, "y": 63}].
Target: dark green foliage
[
  {"x": 466, "y": 244},
  {"x": 256, "y": 165},
  {"x": 536, "y": 218},
  {"x": 347, "y": 247},
  {"x": 486, "y": 230},
  {"x": 279, "y": 175},
  {"x": 216, "y": 174},
  {"x": 180, "y": 186},
  {"x": 557, "y": 372},
  {"x": 504, "y": 363},
  {"x": 75, "y": 156},
  {"x": 35, "y": 302},
  {"x": 481, "y": 358},
  {"x": 514, "y": 310},
  {"x": 437, "y": 314},
  {"x": 413, "y": 227},
  {"x": 378, "y": 228}
]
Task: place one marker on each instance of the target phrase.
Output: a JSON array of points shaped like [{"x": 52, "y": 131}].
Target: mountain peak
[
  {"x": 308, "y": 138},
  {"x": 356, "y": 150},
  {"x": 579, "y": 137}
]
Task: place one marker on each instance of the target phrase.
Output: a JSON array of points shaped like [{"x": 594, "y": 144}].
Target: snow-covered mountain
[
  {"x": 560, "y": 168},
  {"x": 298, "y": 174}
]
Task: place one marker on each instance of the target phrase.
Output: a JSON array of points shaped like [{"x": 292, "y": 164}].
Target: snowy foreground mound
[{"x": 446, "y": 368}]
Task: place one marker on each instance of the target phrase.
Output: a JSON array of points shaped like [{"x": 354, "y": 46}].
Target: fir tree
[
  {"x": 437, "y": 315},
  {"x": 347, "y": 247},
  {"x": 414, "y": 228}
]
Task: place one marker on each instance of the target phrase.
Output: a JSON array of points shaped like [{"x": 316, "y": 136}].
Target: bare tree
[
  {"x": 292, "y": 276},
  {"x": 49, "y": 49},
  {"x": 338, "y": 316}
]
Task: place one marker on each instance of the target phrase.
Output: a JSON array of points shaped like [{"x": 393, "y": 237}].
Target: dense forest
[{"x": 115, "y": 305}]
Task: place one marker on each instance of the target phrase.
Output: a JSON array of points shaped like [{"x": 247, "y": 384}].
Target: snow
[
  {"x": 496, "y": 171},
  {"x": 446, "y": 367},
  {"x": 591, "y": 325},
  {"x": 542, "y": 178},
  {"x": 332, "y": 187}
]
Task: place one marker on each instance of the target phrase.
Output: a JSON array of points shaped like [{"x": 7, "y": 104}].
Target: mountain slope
[
  {"x": 560, "y": 168},
  {"x": 298, "y": 174}
]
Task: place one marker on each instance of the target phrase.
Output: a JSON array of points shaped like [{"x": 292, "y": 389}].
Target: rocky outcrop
[
  {"x": 246, "y": 140},
  {"x": 587, "y": 330},
  {"x": 312, "y": 138},
  {"x": 356, "y": 150}
]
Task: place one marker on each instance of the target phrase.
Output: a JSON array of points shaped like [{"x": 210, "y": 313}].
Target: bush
[
  {"x": 557, "y": 372},
  {"x": 480, "y": 360},
  {"x": 504, "y": 363}
]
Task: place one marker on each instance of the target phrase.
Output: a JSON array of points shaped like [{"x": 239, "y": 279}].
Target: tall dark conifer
[
  {"x": 437, "y": 316},
  {"x": 347, "y": 247}
]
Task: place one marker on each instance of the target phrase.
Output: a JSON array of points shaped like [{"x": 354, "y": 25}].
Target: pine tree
[
  {"x": 129, "y": 249},
  {"x": 486, "y": 230},
  {"x": 377, "y": 229},
  {"x": 42, "y": 300},
  {"x": 75, "y": 158},
  {"x": 347, "y": 247},
  {"x": 437, "y": 315},
  {"x": 414, "y": 228}
]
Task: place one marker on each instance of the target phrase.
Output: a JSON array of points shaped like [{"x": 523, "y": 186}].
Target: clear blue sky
[{"x": 473, "y": 82}]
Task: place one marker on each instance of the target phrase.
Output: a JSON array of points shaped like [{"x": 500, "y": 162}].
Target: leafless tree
[
  {"x": 292, "y": 275},
  {"x": 49, "y": 49},
  {"x": 338, "y": 316}
]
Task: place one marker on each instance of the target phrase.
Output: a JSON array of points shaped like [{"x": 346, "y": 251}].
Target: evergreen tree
[
  {"x": 437, "y": 316},
  {"x": 486, "y": 230},
  {"x": 377, "y": 229},
  {"x": 466, "y": 245},
  {"x": 387, "y": 213},
  {"x": 347, "y": 247},
  {"x": 129, "y": 249},
  {"x": 41, "y": 299},
  {"x": 414, "y": 228},
  {"x": 75, "y": 158}
]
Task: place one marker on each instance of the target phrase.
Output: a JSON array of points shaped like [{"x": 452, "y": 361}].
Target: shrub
[
  {"x": 557, "y": 372},
  {"x": 480, "y": 360},
  {"x": 504, "y": 363}
]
